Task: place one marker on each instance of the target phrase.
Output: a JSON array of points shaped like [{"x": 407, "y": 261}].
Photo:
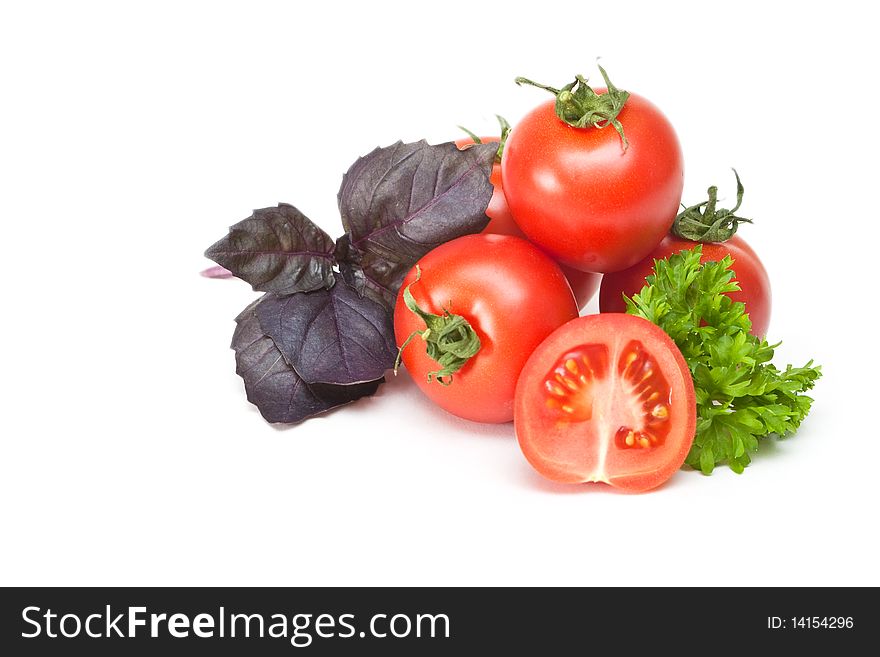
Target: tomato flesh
[{"x": 606, "y": 398}]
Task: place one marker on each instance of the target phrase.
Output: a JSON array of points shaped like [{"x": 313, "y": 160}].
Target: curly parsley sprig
[{"x": 741, "y": 396}]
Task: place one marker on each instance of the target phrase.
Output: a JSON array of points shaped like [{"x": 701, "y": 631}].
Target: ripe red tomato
[
  {"x": 581, "y": 197},
  {"x": 606, "y": 398},
  {"x": 583, "y": 284},
  {"x": 511, "y": 294},
  {"x": 750, "y": 274}
]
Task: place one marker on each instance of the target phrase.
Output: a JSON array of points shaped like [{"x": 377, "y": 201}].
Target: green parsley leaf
[{"x": 742, "y": 398}]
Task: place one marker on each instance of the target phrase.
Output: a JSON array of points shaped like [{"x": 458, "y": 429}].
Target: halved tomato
[{"x": 606, "y": 398}]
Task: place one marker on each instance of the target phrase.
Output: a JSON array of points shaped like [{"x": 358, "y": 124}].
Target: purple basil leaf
[
  {"x": 331, "y": 336},
  {"x": 398, "y": 203},
  {"x": 216, "y": 272},
  {"x": 366, "y": 276},
  {"x": 273, "y": 385},
  {"x": 277, "y": 250}
]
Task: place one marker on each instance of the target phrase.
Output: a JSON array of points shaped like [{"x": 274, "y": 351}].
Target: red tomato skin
[
  {"x": 583, "y": 284},
  {"x": 511, "y": 293},
  {"x": 537, "y": 434},
  {"x": 578, "y": 195},
  {"x": 750, "y": 274}
]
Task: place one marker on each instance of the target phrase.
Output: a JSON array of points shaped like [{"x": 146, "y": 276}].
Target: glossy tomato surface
[
  {"x": 606, "y": 398},
  {"x": 513, "y": 296},
  {"x": 585, "y": 200},
  {"x": 750, "y": 274},
  {"x": 583, "y": 284}
]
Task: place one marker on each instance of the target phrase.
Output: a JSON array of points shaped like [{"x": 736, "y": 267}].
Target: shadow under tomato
[{"x": 405, "y": 388}]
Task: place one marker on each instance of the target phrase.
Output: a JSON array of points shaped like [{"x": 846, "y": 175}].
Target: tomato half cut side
[{"x": 606, "y": 398}]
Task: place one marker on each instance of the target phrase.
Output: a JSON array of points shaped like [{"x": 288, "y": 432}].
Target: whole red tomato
[
  {"x": 510, "y": 295},
  {"x": 715, "y": 228},
  {"x": 583, "y": 284},
  {"x": 583, "y": 194}
]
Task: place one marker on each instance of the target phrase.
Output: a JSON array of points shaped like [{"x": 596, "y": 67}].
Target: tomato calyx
[
  {"x": 581, "y": 107},
  {"x": 505, "y": 131},
  {"x": 703, "y": 223},
  {"x": 449, "y": 339}
]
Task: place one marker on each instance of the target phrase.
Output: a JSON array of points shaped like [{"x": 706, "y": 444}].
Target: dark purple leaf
[
  {"x": 277, "y": 250},
  {"x": 331, "y": 336},
  {"x": 216, "y": 272},
  {"x": 273, "y": 385},
  {"x": 398, "y": 203},
  {"x": 369, "y": 272}
]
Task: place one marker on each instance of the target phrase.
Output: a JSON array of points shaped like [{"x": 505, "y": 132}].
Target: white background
[{"x": 133, "y": 134}]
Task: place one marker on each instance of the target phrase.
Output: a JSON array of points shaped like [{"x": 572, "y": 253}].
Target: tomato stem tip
[{"x": 505, "y": 131}]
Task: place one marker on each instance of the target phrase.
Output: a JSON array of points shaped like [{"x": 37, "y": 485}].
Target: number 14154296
[{"x": 810, "y": 623}]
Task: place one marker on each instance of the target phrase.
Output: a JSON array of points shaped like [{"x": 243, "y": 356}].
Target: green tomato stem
[
  {"x": 581, "y": 107},
  {"x": 505, "y": 131},
  {"x": 704, "y": 223},
  {"x": 449, "y": 339}
]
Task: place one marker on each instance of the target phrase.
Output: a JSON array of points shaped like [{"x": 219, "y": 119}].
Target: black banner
[{"x": 426, "y": 621}]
